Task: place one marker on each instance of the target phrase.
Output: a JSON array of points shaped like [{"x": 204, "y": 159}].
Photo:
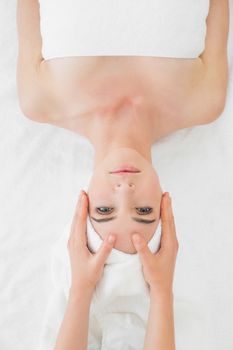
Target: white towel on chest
[
  {"x": 166, "y": 28},
  {"x": 120, "y": 303}
]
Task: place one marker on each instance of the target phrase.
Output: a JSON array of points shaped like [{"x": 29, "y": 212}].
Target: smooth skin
[
  {"x": 87, "y": 269},
  {"x": 122, "y": 105},
  {"x": 83, "y": 93},
  {"x": 86, "y": 95}
]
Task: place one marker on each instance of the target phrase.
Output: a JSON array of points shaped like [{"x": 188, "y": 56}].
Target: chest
[{"x": 85, "y": 86}]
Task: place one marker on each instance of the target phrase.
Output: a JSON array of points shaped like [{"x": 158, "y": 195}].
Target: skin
[
  {"x": 124, "y": 198},
  {"x": 87, "y": 269},
  {"x": 122, "y": 105},
  {"x": 80, "y": 93}
]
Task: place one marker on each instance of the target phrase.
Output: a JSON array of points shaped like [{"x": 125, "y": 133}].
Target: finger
[
  {"x": 172, "y": 219},
  {"x": 75, "y": 216},
  {"x": 81, "y": 220},
  {"x": 104, "y": 250},
  {"x": 168, "y": 237},
  {"x": 74, "y": 221},
  {"x": 175, "y": 242},
  {"x": 142, "y": 248}
]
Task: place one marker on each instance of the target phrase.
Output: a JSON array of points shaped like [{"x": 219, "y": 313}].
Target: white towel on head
[{"x": 120, "y": 303}]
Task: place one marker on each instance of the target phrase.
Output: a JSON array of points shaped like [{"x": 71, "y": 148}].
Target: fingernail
[
  {"x": 111, "y": 239},
  {"x": 136, "y": 238}
]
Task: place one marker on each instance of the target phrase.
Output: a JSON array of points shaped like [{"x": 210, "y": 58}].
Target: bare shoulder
[
  {"x": 208, "y": 96},
  {"x": 37, "y": 92}
]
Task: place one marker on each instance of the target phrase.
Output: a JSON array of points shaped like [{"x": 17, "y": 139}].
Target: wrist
[
  {"x": 161, "y": 296},
  {"x": 81, "y": 293}
]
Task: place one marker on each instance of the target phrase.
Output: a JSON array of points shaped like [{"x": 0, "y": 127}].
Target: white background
[{"x": 41, "y": 171}]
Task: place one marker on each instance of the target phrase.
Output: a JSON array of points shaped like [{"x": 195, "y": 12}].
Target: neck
[
  {"x": 126, "y": 127},
  {"x": 103, "y": 147}
]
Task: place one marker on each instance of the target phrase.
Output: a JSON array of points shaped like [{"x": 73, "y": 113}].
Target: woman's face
[{"x": 124, "y": 203}]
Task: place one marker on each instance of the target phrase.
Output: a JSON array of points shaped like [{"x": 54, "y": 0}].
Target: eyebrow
[{"x": 142, "y": 221}]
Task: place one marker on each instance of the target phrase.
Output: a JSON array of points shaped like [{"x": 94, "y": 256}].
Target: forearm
[
  {"x": 73, "y": 333},
  {"x": 160, "y": 333}
]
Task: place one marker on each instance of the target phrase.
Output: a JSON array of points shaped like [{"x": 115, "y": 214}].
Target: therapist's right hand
[
  {"x": 86, "y": 267},
  {"x": 158, "y": 268}
]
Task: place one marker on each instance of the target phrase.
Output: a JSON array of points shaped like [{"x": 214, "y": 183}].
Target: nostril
[{"x": 130, "y": 185}]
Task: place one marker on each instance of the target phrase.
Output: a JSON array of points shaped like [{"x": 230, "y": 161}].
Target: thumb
[
  {"x": 142, "y": 248},
  {"x": 104, "y": 250}
]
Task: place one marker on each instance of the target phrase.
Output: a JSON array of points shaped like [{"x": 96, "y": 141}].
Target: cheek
[
  {"x": 99, "y": 196},
  {"x": 98, "y": 189},
  {"x": 155, "y": 195}
]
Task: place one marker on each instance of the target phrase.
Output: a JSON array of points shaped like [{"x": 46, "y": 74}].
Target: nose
[{"x": 121, "y": 185}]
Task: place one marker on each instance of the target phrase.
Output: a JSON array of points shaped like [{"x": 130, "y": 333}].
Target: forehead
[{"x": 124, "y": 227}]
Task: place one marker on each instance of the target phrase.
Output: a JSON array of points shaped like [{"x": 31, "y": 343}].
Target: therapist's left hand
[{"x": 86, "y": 267}]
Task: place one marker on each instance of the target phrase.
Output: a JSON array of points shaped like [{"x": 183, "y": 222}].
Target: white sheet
[
  {"x": 41, "y": 171},
  {"x": 125, "y": 27}
]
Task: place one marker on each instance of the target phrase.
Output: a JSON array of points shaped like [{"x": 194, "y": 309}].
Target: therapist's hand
[
  {"x": 158, "y": 268},
  {"x": 86, "y": 267}
]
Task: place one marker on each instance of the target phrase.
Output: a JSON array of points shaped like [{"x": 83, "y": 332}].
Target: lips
[{"x": 125, "y": 169}]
